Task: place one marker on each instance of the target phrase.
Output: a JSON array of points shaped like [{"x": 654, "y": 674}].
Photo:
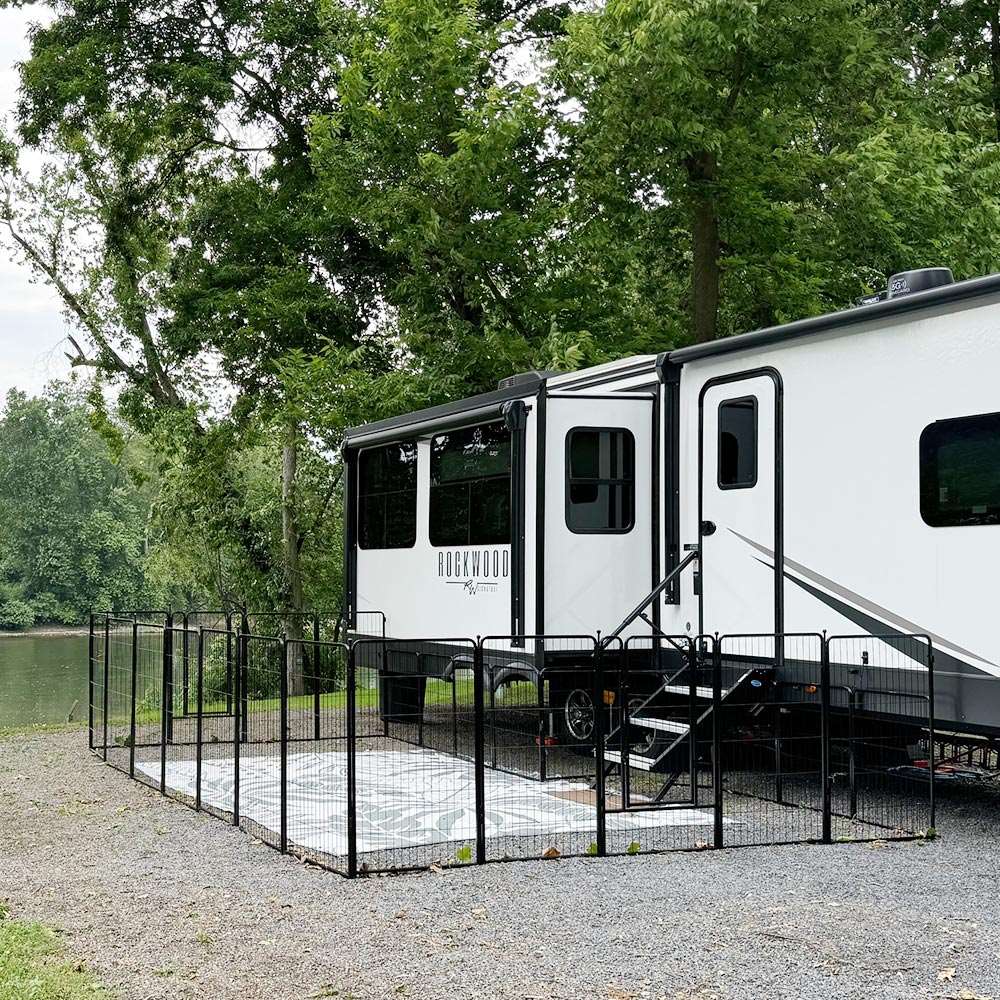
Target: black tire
[{"x": 576, "y": 719}]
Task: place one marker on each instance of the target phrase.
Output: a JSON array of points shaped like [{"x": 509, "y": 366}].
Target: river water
[{"x": 43, "y": 679}]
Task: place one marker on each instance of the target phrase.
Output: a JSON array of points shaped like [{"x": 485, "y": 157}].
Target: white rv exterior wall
[
  {"x": 431, "y": 592},
  {"x": 855, "y": 403}
]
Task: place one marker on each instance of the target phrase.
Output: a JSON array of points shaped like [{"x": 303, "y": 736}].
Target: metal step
[
  {"x": 635, "y": 760},
  {"x": 700, "y": 692},
  {"x": 667, "y": 725}
]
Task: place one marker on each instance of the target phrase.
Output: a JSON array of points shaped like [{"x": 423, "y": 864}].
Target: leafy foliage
[
  {"x": 269, "y": 220},
  {"x": 72, "y": 521}
]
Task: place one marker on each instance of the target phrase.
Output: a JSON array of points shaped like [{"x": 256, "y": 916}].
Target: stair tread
[
  {"x": 700, "y": 691},
  {"x": 635, "y": 760},
  {"x": 652, "y": 722}
]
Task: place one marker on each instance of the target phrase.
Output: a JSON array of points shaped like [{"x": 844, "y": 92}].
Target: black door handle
[{"x": 708, "y": 527}]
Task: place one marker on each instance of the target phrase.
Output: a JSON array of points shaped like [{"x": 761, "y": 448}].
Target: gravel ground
[{"x": 162, "y": 903}]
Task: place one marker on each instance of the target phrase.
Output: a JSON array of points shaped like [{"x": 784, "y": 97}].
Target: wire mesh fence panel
[
  {"x": 211, "y": 778},
  {"x": 540, "y": 733},
  {"x": 316, "y": 752},
  {"x": 881, "y": 727},
  {"x": 367, "y": 625},
  {"x": 96, "y": 646},
  {"x": 265, "y": 685},
  {"x": 148, "y": 710},
  {"x": 657, "y": 758},
  {"x": 119, "y": 687},
  {"x": 181, "y": 723},
  {"x": 771, "y": 738},
  {"x": 413, "y": 776},
  {"x": 384, "y": 755}
]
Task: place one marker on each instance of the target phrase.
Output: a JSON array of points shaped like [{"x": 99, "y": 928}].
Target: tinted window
[
  {"x": 387, "y": 497},
  {"x": 960, "y": 471},
  {"x": 470, "y": 486},
  {"x": 738, "y": 443},
  {"x": 600, "y": 480}
]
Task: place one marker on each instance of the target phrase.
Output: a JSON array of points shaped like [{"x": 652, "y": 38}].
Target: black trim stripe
[
  {"x": 881, "y": 631},
  {"x": 446, "y": 414}
]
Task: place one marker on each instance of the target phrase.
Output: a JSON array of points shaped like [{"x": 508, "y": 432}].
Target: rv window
[
  {"x": 600, "y": 480},
  {"x": 470, "y": 486},
  {"x": 738, "y": 443},
  {"x": 960, "y": 471},
  {"x": 387, "y": 497}
]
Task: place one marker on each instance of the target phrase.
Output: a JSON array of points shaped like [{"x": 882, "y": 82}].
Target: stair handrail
[{"x": 652, "y": 595}]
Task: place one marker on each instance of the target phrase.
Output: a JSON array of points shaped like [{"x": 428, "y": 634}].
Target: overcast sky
[{"x": 32, "y": 326}]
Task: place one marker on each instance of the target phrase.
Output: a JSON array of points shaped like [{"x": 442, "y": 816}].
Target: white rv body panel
[
  {"x": 829, "y": 537},
  {"x": 593, "y": 580},
  {"x": 432, "y": 591},
  {"x": 858, "y": 555}
]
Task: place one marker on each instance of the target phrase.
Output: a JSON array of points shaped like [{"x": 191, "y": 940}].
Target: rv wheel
[{"x": 578, "y": 716}]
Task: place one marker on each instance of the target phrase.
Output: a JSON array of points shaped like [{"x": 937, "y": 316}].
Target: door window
[{"x": 738, "y": 443}]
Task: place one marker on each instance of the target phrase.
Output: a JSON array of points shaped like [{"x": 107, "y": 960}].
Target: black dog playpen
[{"x": 366, "y": 754}]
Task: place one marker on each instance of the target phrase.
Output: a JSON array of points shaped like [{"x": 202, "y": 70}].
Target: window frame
[
  {"x": 752, "y": 399},
  {"x": 928, "y": 450},
  {"x": 496, "y": 421},
  {"x": 570, "y": 481},
  {"x": 361, "y": 495}
]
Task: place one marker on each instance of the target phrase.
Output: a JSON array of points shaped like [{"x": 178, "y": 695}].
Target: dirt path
[{"x": 162, "y": 903}]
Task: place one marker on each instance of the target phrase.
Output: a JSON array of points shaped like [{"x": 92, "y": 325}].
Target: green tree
[
  {"x": 728, "y": 121},
  {"x": 441, "y": 157},
  {"x": 73, "y": 523}
]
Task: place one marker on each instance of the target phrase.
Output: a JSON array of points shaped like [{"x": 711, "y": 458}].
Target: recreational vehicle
[{"x": 839, "y": 474}]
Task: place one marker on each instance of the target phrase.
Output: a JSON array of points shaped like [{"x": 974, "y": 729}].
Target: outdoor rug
[{"x": 404, "y": 799}]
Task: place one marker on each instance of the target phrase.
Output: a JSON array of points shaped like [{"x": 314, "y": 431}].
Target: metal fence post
[
  {"x": 135, "y": 671},
  {"x": 90, "y": 684},
  {"x": 166, "y": 698},
  {"x": 824, "y": 757},
  {"x": 229, "y": 663},
  {"x": 692, "y": 654},
  {"x": 599, "y": 712},
  {"x": 186, "y": 667},
  {"x": 283, "y": 721},
  {"x": 931, "y": 749},
  {"x": 200, "y": 695},
  {"x": 352, "y": 792},
  {"x": 479, "y": 740},
  {"x": 107, "y": 681},
  {"x": 625, "y": 726},
  {"x": 242, "y": 670},
  {"x": 317, "y": 679},
  {"x": 241, "y": 652},
  {"x": 718, "y": 839}
]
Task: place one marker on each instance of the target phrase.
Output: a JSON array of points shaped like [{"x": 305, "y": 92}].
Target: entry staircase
[
  {"x": 671, "y": 741},
  {"x": 671, "y": 738}
]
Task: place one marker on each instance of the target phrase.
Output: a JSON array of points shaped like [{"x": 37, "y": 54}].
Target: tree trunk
[
  {"x": 291, "y": 561},
  {"x": 701, "y": 169}
]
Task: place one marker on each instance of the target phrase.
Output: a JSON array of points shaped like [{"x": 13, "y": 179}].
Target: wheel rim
[
  {"x": 644, "y": 743},
  {"x": 579, "y": 713}
]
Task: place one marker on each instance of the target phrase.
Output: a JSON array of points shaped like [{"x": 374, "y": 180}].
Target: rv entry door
[
  {"x": 740, "y": 503},
  {"x": 599, "y": 482}
]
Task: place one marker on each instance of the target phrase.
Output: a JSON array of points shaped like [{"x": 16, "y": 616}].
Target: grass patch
[{"x": 32, "y": 967}]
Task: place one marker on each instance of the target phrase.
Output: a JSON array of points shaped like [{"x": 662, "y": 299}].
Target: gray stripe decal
[{"x": 848, "y": 595}]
